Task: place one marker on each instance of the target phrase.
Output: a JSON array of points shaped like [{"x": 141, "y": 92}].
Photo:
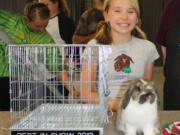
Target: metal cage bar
[{"x": 40, "y": 100}]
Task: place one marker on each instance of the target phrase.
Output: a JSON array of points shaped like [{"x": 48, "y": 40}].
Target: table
[{"x": 165, "y": 118}]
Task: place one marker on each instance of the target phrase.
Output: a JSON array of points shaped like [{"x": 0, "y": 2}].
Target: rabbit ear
[{"x": 128, "y": 95}]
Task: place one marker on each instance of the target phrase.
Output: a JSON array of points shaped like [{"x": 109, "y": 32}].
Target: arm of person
[
  {"x": 163, "y": 49},
  {"x": 7, "y": 18},
  {"x": 148, "y": 73},
  {"x": 114, "y": 104},
  {"x": 89, "y": 92},
  {"x": 152, "y": 55},
  {"x": 64, "y": 77},
  {"x": 4, "y": 16},
  {"x": 3, "y": 59}
]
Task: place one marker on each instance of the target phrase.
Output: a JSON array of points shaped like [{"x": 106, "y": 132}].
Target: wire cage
[{"x": 41, "y": 102}]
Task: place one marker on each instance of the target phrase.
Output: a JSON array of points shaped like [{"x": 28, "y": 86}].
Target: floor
[{"x": 158, "y": 78}]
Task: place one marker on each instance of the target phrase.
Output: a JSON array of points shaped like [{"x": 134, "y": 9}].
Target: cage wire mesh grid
[{"x": 42, "y": 83}]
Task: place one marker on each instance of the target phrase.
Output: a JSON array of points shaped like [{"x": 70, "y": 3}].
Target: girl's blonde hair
[{"x": 103, "y": 35}]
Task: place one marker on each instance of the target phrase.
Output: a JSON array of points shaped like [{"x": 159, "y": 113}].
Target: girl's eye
[
  {"x": 131, "y": 11},
  {"x": 117, "y": 11}
]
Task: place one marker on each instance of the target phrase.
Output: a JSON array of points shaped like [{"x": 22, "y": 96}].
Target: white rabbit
[{"x": 139, "y": 111}]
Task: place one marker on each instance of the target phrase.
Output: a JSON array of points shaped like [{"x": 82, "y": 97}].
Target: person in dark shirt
[{"x": 169, "y": 38}]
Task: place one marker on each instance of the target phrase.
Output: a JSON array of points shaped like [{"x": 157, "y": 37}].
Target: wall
[
  {"x": 151, "y": 11},
  {"x": 12, "y": 5}
]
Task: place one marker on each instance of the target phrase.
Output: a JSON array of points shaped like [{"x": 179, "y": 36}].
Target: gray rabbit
[{"x": 139, "y": 111}]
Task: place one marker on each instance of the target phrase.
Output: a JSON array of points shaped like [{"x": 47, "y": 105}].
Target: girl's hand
[{"x": 74, "y": 92}]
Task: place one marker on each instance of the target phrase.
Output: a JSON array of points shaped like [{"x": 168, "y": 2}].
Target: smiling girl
[{"x": 129, "y": 55}]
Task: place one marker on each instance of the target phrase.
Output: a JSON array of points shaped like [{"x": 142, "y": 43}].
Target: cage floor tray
[{"x": 61, "y": 116}]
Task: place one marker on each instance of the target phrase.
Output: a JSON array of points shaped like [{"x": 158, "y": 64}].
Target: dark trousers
[
  {"x": 172, "y": 94},
  {"x": 4, "y": 94}
]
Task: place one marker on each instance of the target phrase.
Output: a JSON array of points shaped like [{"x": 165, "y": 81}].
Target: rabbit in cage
[{"x": 139, "y": 113}]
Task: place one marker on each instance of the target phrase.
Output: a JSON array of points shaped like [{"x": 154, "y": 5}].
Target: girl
[
  {"x": 28, "y": 29},
  {"x": 21, "y": 30},
  {"x": 129, "y": 57}
]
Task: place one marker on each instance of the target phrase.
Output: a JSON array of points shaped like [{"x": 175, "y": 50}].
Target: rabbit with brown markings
[{"x": 139, "y": 111}]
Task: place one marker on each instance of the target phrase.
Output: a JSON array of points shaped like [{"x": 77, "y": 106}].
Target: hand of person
[{"x": 73, "y": 92}]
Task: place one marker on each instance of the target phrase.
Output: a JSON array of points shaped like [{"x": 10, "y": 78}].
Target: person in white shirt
[{"x": 60, "y": 26}]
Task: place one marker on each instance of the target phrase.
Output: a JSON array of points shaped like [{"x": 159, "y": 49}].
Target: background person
[
  {"x": 88, "y": 23},
  {"x": 87, "y": 27},
  {"x": 29, "y": 29},
  {"x": 169, "y": 38},
  {"x": 4, "y": 79},
  {"x": 20, "y": 30},
  {"x": 60, "y": 26}
]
